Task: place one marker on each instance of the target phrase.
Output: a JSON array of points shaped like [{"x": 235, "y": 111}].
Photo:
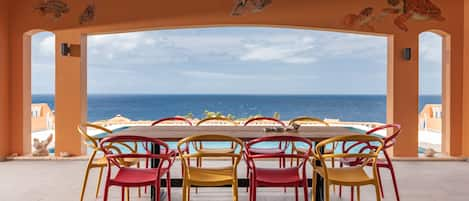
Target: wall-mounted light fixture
[
  {"x": 407, "y": 54},
  {"x": 65, "y": 49}
]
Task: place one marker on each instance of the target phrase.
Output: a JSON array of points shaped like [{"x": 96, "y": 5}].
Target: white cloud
[
  {"x": 47, "y": 46},
  {"x": 431, "y": 48},
  {"x": 292, "y": 53},
  {"x": 243, "y": 76},
  {"x": 215, "y": 75}
]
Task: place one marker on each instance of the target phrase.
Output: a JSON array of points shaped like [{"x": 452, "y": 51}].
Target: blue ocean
[{"x": 150, "y": 107}]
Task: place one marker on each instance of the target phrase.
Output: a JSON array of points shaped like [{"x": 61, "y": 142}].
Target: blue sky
[{"x": 236, "y": 60}]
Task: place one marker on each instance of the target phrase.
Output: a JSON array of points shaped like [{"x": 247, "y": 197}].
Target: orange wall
[
  {"x": 70, "y": 94},
  {"x": 125, "y": 15},
  {"x": 4, "y": 78},
  {"x": 465, "y": 111}
]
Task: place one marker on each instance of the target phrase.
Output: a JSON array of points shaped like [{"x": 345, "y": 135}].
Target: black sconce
[
  {"x": 65, "y": 49},
  {"x": 407, "y": 54}
]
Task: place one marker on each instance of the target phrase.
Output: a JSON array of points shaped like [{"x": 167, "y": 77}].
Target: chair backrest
[
  {"x": 180, "y": 119},
  {"x": 372, "y": 144},
  {"x": 299, "y": 141},
  {"x": 226, "y": 120},
  {"x": 186, "y": 154},
  {"x": 116, "y": 156},
  {"x": 263, "y": 119},
  {"x": 389, "y": 141},
  {"x": 89, "y": 140},
  {"x": 307, "y": 120}
]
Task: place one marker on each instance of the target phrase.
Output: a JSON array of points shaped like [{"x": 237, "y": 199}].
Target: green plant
[
  {"x": 189, "y": 115},
  {"x": 276, "y": 115}
]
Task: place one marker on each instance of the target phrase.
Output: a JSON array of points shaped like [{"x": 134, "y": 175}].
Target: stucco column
[
  {"x": 465, "y": 102},
  {"x": 452, "y": 94},
  {"x": 70, "y": 99},
  {"x": 402, "y": 93},
  {"x": 4, "y": 82}
]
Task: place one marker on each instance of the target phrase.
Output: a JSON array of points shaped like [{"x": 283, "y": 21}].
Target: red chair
[
  {"x": 282, "y": 146},
  {"x": 278, "y": 177},
  {"x": 381, "y": 163},
  {"x": 180, "y": 119},
  {"x": 127, "y": 177},
  {"x": 166, "y": 120}
]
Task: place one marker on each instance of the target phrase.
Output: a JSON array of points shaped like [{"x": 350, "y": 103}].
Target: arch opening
[
  {"x": 41, "y": 68},
  {"x": 434, "y": 93}
]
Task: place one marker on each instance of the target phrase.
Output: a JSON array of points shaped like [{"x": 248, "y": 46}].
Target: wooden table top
[{"x": 245, "y": 133}]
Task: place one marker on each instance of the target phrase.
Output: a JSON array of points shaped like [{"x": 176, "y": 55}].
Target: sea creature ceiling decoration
[
  {"x": 88, "y": 14},
  {"x": 404, "y": 9},
  {"x": 55, "y": 8},
  {"x": 242, "y": 6}
]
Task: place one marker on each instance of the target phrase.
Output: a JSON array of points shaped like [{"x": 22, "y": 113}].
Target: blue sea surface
[{"x": 150, "y": 107}]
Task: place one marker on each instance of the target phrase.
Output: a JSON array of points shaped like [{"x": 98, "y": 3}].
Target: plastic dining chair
[
  {"x": 294, "y": 176},
  {"x": 282, "y": 146},
  {"x": 200, "y": 147},
  {"x": 304, "y": 120},
  {"x": 99, "y": 162},
  {"x": 172, "y": 119},
  {"x": 213, "y": 176},
  {"x": 381, "y": 163},
  {"x": 355, "y": 176},
  {"x": 128, "y": 177},
  {"x": 161, "y": 122}
]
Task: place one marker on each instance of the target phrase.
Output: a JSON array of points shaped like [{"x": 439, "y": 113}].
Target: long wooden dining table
[{"x": 245, "y": 133}]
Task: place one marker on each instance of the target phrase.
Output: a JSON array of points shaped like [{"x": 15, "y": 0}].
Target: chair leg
[
  {"x": 250, "y": 188},
  {"x": 146, "y": 166},
  {"x": 358, "y": 193},
  {"x": 127, "y": 190},
  {"x": 138, "y": 190},
  {"x": 378, "y": 196},
  {"x": 313, "y": 187},
  {"x": 199, "y": 165},
  {"x": 296, "y": 193},
  {"x": 254, "y": 191},
  {"x": 284, "y": 166},
  {"x": 352, "y": 192},
  {"x": 235, "y": 190},
  {"x": 326, "y": 188},
  {"x": 158, "y": 190},
  {"x": 168, "y": 185},
  {"x": 184, "y": 191},
  {"x": 106, "y": 191},
  {"x": 123, "y": 194},
  {"x": 305, "y": 189},
  {"x": 247, "y": 176},
  {"x": 394, "y": 181},
  {"x": 380, "y": 183},
  {"x": 85, "y": 180},
  {"x": 333, "y": 166},
  {"x": 188, "y": 192},
  {"x": 340, "y": 186},
  {"x": 100, "y": 176}
]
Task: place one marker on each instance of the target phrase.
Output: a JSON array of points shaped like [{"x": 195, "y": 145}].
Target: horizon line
[{"x": 202, "y": 94}]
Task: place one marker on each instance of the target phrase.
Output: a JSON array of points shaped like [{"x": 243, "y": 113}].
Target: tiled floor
[{"x": 61, "y": 181}]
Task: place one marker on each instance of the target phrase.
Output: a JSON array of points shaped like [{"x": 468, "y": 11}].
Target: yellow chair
[
  {"x": 213, "y": 176},
  {"x": 302, "y": 121},
  {"x": 348, "y": 176},
  {"x": 100, "y": 162},
  {"x": 199, "y": 146}
]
